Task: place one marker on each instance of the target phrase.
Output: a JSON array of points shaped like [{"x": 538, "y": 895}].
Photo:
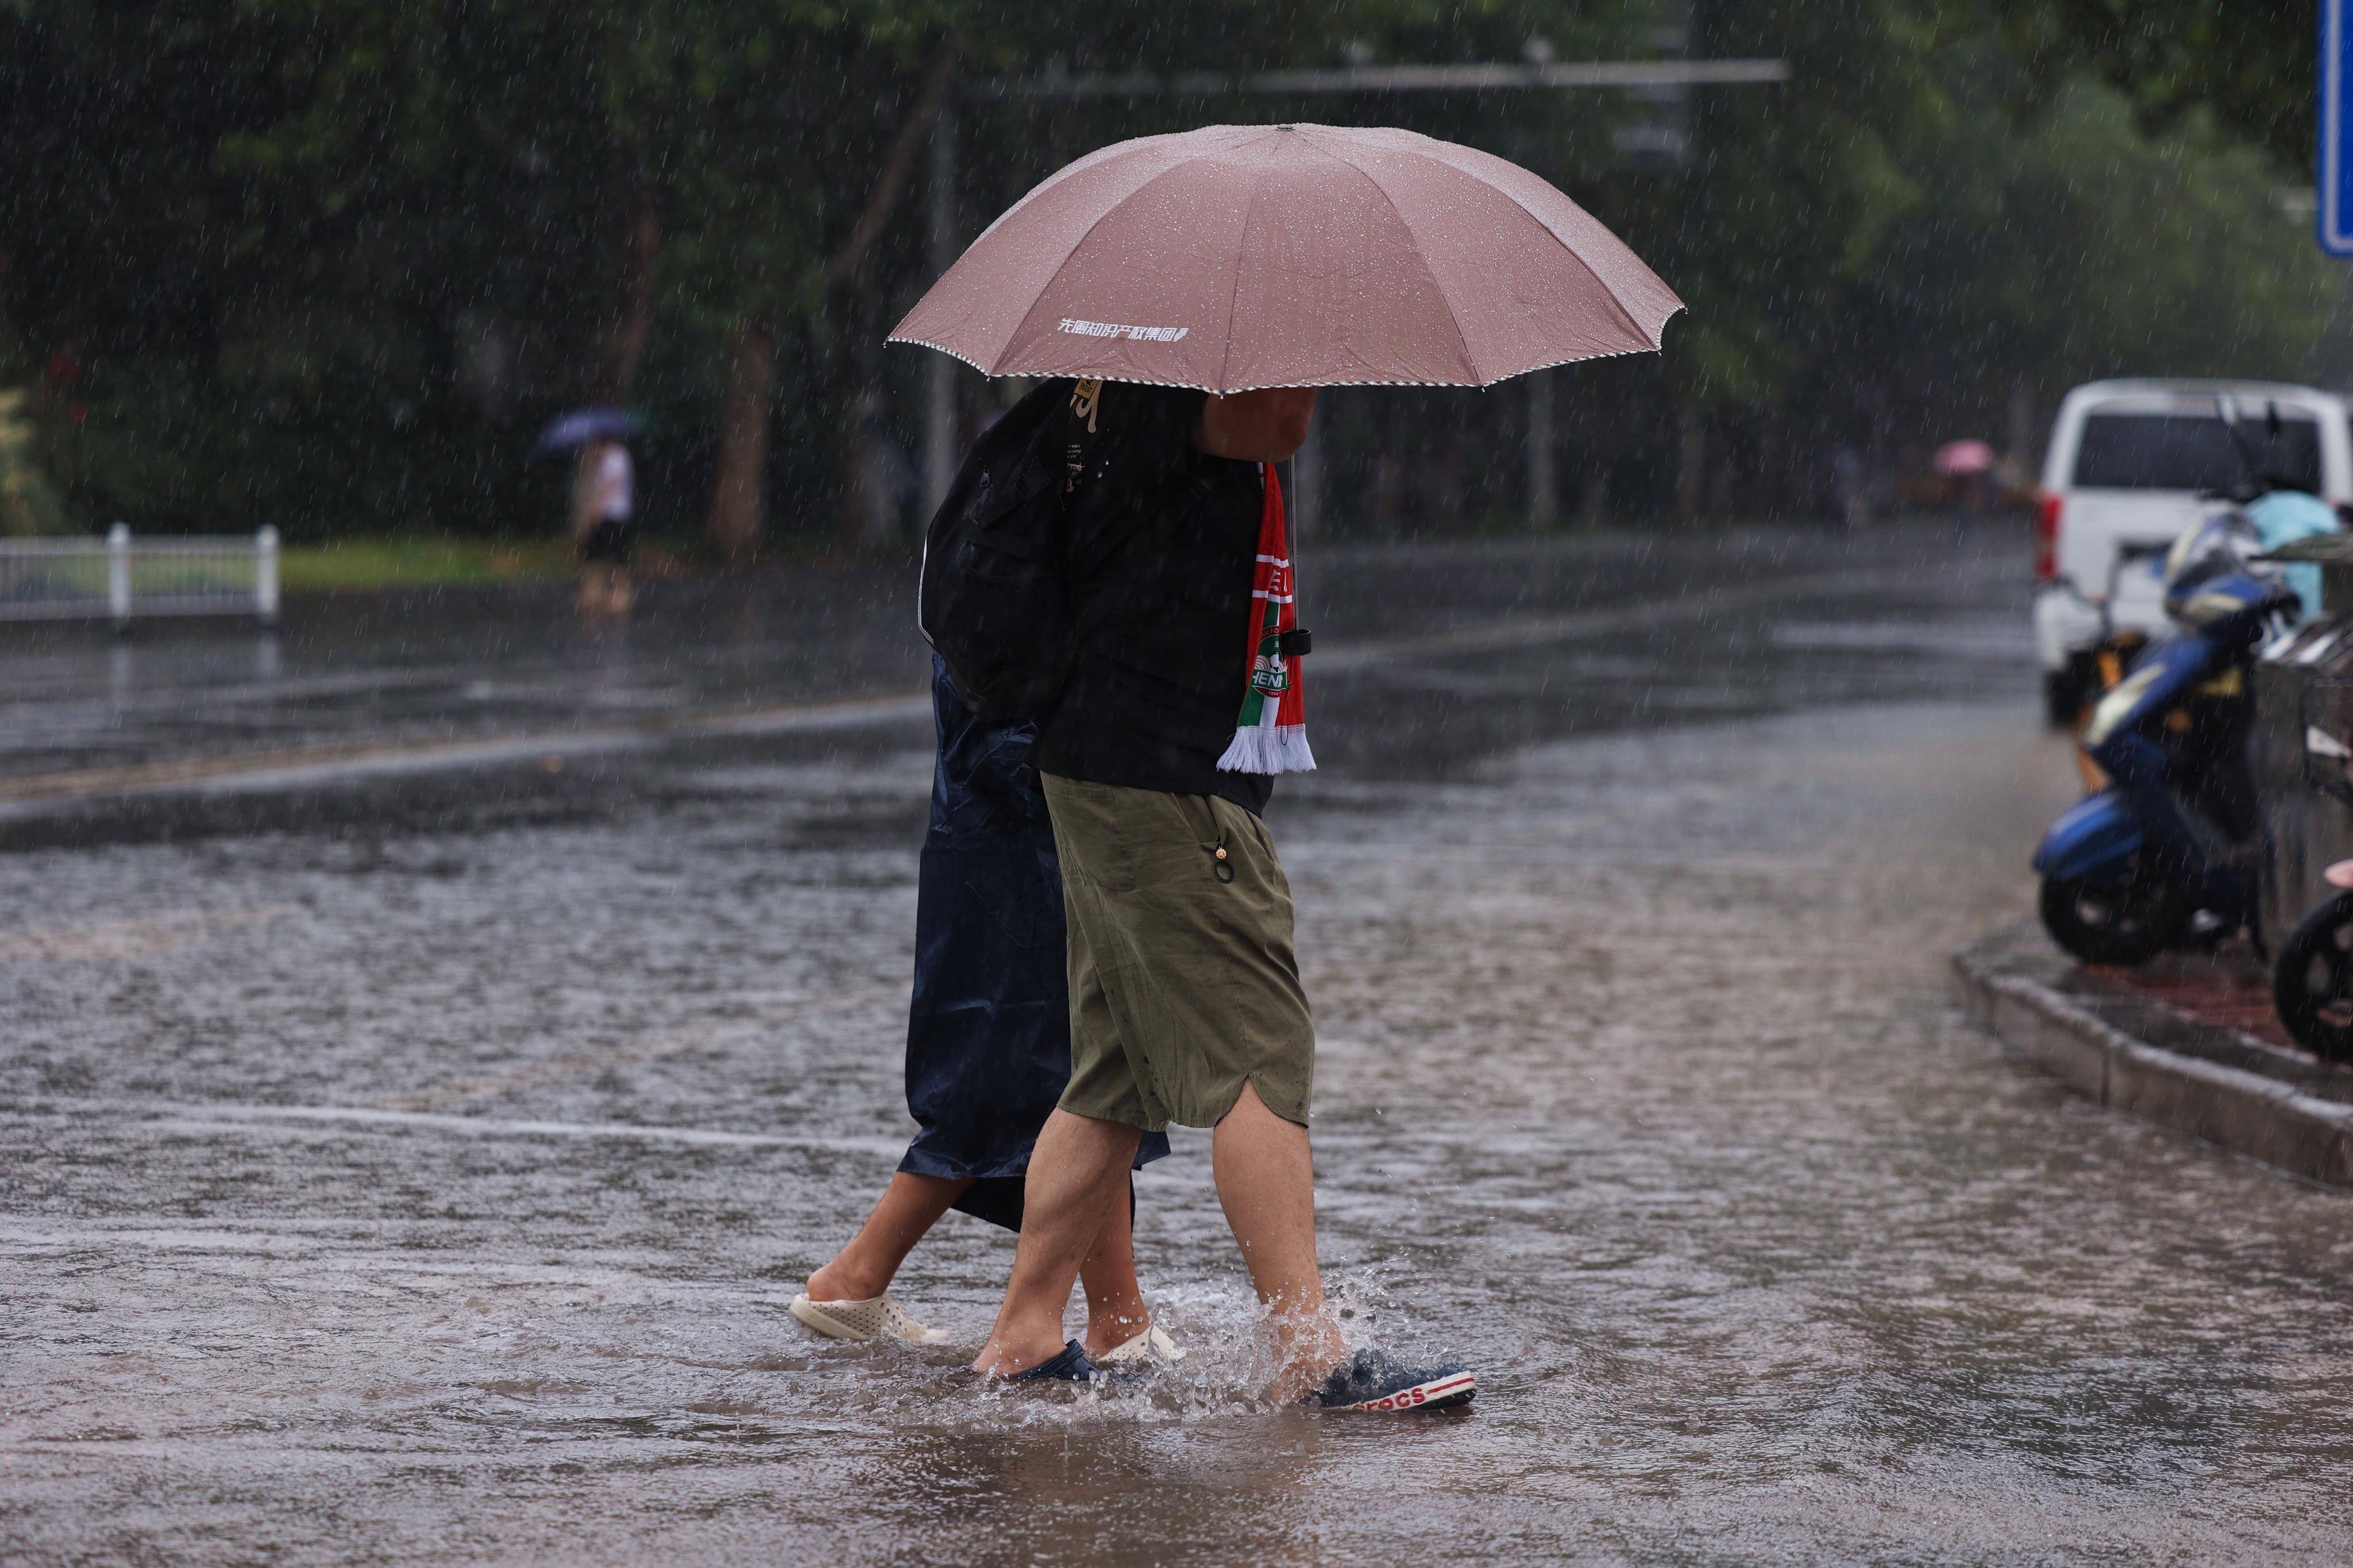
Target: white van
[{"x": 2128, "y": 468}]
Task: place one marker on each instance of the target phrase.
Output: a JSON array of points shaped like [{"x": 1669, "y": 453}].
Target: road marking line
[
  {"x": 539, "y": 1071},
  {"x": 300, "y": 764},
  {"x": 140, "y": 937},
  {"x": 328, "y": 1249}
]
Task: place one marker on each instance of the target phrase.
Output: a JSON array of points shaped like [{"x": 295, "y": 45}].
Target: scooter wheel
[
  {"x": 2312, "y": 982},
  {"x": 2114, "y": 918}
]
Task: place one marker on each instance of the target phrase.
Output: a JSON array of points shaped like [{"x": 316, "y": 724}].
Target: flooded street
[{"x": 433, "y": 1192}]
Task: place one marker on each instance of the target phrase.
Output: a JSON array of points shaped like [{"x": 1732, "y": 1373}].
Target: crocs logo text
[{"x": 1411, "y": 1398}]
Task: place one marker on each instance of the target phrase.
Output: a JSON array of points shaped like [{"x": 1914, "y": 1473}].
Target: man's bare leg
[
  {"x": 1115, "y": 1309},
  {"x": 1266, "y": 1183},
  {"x": 1073, "y": 1186},
  {"x": 862, "y": 1270}
]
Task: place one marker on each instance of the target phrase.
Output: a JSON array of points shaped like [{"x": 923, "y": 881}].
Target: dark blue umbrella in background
[{"x": 583, "y": 425}]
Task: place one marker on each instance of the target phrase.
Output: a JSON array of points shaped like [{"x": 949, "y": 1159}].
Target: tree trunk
[
  {"x": 1593, "y": 495},
  {"x": 636, "y": 236},
  {"x": 621, "y": 344},
  {"x": 857, "y": 505},
  {"x": 860, "y": 401},
  {"x": 858, "y": 404},
  {"x": 1544, "y": 478},
  {"x": 738, "y": 499},
  {"x": 1691, "y": 466},
  {"x": 1389, "y": 468}
]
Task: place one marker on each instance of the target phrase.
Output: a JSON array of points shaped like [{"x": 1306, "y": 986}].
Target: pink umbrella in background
[
  {"x": 1237, "y": 256},
  {"x": 1956, "y": 460}
]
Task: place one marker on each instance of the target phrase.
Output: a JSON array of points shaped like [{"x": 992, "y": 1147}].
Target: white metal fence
[{"x": 118, "y": 577}]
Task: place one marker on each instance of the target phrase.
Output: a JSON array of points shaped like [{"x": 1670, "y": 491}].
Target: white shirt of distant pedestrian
[{"x": 616, "y": 477}]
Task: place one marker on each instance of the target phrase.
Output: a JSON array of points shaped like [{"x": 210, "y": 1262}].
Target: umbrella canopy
[
  {"x": 583, "y": 425},
  {"x": 1237, "y": 256},
  {"x": 1959, "y": 457}
]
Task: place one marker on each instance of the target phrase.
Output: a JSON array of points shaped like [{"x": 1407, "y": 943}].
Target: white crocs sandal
[
  {"x": 868, "y": 1320},
  {"x": 1142, "y": 1348}
]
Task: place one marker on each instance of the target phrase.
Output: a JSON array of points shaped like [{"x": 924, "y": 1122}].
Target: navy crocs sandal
[
  {"x": 1375, "y": 1380},
  {"x": 1074, "y": 1366}
]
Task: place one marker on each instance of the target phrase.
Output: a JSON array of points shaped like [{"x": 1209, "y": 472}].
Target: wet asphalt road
[
  {"x": 414, "y": 1167},
  {"x": 455, "y": 665}
]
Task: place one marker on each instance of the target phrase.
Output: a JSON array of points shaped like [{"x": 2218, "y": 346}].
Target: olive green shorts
[{"x": 1183, "y": 986}]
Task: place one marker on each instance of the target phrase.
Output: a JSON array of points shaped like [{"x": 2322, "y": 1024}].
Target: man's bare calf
[{"x": 1068, "y": 1199}]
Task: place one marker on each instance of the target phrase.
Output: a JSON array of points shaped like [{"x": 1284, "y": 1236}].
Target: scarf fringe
[
  {"x": 1271, "y": 735},
  {"x": 1268, "y": 749}
]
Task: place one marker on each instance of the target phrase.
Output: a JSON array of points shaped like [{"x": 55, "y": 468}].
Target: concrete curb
[{"x": 2060, "y": 1029}]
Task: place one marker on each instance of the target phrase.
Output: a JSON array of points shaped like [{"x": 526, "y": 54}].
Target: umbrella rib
[
  {"x": 1234, "y": 294},
  {"x": 1533, "y": 216},
  {"x": 1098, "y": 156},
  {"x": 1068, "y": 171},
  {"x": 1470, "y": 360},
  {"x": 1076, "y": 245}
]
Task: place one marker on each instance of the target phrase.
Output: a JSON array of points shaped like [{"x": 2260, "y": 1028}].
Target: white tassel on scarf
[{"x": 1272, "y": 736}]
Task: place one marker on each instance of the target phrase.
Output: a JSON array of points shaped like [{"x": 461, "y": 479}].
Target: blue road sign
[{"x": 2336, "y": 160}]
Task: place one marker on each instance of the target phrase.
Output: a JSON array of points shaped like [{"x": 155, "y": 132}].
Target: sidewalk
[{"x": 2191, "y": 1043}]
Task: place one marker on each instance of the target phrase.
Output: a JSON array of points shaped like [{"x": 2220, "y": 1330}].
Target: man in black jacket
[{"x": 1186, "y": 1003}]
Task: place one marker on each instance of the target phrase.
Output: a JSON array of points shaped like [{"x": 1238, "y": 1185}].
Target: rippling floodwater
[{"x": 436, "y": 1194}]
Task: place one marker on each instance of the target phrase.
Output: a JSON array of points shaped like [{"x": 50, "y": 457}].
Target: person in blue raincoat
[
  {"x": 2284, "y": 516},
  {"x": 988, "y": 1044}
]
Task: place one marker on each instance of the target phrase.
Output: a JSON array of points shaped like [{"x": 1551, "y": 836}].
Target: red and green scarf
[{"x": 1271, "y": 735}]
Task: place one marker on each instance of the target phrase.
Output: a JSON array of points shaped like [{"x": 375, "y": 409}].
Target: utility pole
[
  {"x": 939, "y": 393},
  {"x": 1307, "y": 479},
  {"x": 1544, "y": 482}
]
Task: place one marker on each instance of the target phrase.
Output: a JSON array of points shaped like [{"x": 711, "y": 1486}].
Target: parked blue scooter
[{"x": 2163, "y": 857}]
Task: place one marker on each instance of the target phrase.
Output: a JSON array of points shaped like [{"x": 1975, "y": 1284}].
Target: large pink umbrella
[{"x": 1245, "y": 256}]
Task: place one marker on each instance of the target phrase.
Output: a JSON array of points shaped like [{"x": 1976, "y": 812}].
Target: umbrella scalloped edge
[{"x": 1131, "y": 380}]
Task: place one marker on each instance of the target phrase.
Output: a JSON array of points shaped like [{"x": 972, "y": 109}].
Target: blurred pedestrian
[
  {"x": 1850, "y": 487},
  {"x": 1966, "y": 466},
  {"x": 603, "y": 498}
]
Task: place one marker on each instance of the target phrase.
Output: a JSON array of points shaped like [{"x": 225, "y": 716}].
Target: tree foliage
[
  {"x": 2252, "y": 64},
  {"x": 1912, "y": 233},
  {"x": 330, "y": 261}
]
